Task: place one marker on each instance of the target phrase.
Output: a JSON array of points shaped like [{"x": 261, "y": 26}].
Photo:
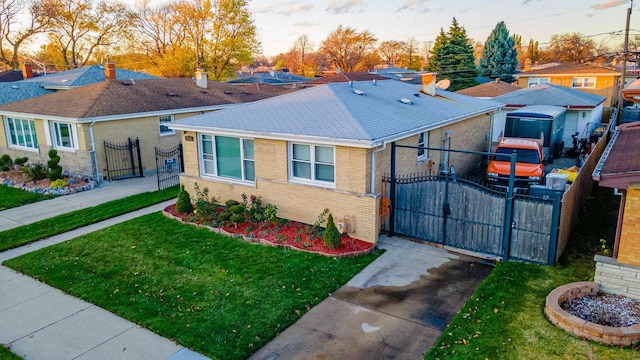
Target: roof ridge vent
[{"x": 358, "y": 92}]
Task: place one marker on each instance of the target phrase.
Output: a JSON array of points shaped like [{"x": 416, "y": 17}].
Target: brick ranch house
[
  {"x": 76, "y": 122},
  {"x": 328, "y": 146}
]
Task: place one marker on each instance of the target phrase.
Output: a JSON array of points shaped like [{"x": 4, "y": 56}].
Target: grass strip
[
  {"x": 221, "y": 296},
  {"x": 12, "y": 197},
  {"x": 504, "y": 319},
  {"x": 25, "y": 234}
]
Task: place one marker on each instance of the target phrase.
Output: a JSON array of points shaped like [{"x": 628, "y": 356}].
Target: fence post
[
  {"x": 446, "y": 209},
  {"x": 392, "y": 191},
  {"x": 555, "y": 220},
  {"x": 106, "y": 159},
  {"x": 508, "y": 213},
  {"x": 139, "y": 157},
  {"x": 181, "y": 157}
]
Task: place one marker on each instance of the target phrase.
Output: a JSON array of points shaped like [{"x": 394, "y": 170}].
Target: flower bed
[
  {"x": 17, "y": 179},
  {"x": 289, "y": 234}
]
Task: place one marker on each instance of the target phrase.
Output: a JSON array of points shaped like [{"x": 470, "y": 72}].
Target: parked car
[{"x": 529, "y": 162}]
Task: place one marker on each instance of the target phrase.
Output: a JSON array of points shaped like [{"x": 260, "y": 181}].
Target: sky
[{"x": 281, "y": 22}]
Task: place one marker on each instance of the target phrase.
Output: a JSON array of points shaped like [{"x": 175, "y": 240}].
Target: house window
[
  {"x": 22, "y": 133},
  {"x": 536, "y": 81},
  {"x": 423, "y": 141},
  {"x": 62, "y": 135},
  {"x": 164, "y": 129},
  {"x": 312, "y": 164},
  {"x": 584, "y": 82},
  {"x": 227, "y": 157}
]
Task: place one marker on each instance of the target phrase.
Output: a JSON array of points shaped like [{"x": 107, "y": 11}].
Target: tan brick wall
[
  {"x": 296, "y": 201},
  {"x": 606, "y": 86},
  {"x": 3, "y": 138},
  {"x": 629, "y": 250}
]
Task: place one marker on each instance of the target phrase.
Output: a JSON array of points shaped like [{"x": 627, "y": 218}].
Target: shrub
[
  {"x": 55, "y": 170},
  {"x": 35, "y": 172},
  {"x": 205, "y": 205},
  {"x": 58, "y": 184},
  {"x": 21, "y": 161},
  {"x": 229, "y": 203},
  {"x": 316, "y": 228},
  {"x": 183, "y": 204},
  {"x": 331, "y": 235},
  {"x": 271, "y": 213},
  {"x": 5, "y": 162}
]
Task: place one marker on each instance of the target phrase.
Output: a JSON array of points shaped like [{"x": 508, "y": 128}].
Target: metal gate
[
  {"x": 462, "y": 214},
  {"x": 123, "y": 159},
  {"x": 170, "y": 163}
]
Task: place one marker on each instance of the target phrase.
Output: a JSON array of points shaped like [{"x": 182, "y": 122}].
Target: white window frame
[
  {"x": 162, "y": 122},
  {"x": 580, "y": 82},
  {"x": 538, "y": 80},
  {"x": 424, "y": 143},
  {"x": 54, "y": 127},
  {"x": 313, "y": 163},
  {"x": 213, "y": 159},
  {"x": 32, "y": 131}
]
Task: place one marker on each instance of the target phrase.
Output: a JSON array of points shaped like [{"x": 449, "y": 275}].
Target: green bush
[
  {"x": 183, "y": 204},
  {"x": 331, "y": 235},
  {"x": 229, "y": 203},
  {"x": 35, "y": 172},
  {"x": 5, "y": 162},
  {"x": 55, "y": 170},
  {"x": 21, "y": 161},
  {"x": 206, "y": 205}
]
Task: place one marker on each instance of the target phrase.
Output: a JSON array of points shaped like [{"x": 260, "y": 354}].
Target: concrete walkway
[{"x": 107, "y": 191}]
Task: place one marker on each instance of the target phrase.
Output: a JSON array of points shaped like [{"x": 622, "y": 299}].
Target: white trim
[
  {"x": 425, "y": 143},
  {"x": 73, "y": 134},
  {"x": 33, "y": 132},
  {"x": 312, "y": 163},
  {"x": 215, "y": 161},
  {"x": 160, "y": 125}
]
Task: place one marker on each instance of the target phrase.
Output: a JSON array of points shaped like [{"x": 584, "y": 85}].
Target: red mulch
[{"x": 292, "y": 234}]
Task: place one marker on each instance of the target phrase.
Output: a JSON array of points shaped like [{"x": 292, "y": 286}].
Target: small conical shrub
[
  {"x": 183, "y": 204},
  {"x": 55, "y": 170},
  {"x": 331, "y": 235}
]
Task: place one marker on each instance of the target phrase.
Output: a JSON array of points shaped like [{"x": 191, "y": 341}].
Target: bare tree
[
  {"x": 390, "y": 51},
  {"x": 14, "y": 33},
  {"x": 571, "y": 48},
  {"x": 345, "y": 47}
]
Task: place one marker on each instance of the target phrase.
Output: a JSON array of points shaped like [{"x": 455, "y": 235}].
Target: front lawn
[
  {"x": 504, "y": 319},
  {"x": 25, "y": 234},
  {"x": 12, "y": 197},
  {"x": 6, "y": 354},
  {"x": 221, "y": 296}
]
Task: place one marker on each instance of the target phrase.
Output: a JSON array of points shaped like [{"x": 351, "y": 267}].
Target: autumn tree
[
  {"x": 571, "y": 48},
  {"x": 19, "y": 22},
  {"x": 411, "y": 54},
  {"x": 79, "y": 27},
  {"x": 499, "y": 56},
  {"x": 300, "y": 59},
  {"x": 345, "y": 47},
  {"x": 452, "y": 58},
  {"x": 390, "y": 51}
]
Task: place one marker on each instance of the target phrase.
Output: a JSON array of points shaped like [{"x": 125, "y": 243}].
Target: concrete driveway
[{"x": 396, "y": 308}]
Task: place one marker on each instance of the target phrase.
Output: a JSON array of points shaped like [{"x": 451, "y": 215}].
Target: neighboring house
[
  {"x": 76, "y": 122},
  {"x": 619, "y": 168},
  {"x": 395, "y": 73},
  {"x": 345, "y": 77},
  {"x": 489, "y": 90},
  {"x": 328, "y": 146},
  {"x": 590, "y": 79},
  {"x": 20, "y": 90},
  {"x": 272, "y": 77},
  {"x": 10, "y": 75},
  {"x": 583, "y": 109}
]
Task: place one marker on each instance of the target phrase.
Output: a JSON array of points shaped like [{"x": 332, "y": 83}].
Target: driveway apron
[{"x": 396, "y": 308}]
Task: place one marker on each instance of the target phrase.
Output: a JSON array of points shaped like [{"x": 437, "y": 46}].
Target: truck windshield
[{"x": 529, "y": 156}]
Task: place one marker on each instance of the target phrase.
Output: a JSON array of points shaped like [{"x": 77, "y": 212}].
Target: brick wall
[
  {"x": 297, "y": 202},
  {"x": 614, "y": 277},
  {"x": 629, "y": 250},
  {"x": 606, "y": 85}
]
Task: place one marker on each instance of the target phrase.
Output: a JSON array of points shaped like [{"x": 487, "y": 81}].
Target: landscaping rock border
[{"x": 580, "y": 328}]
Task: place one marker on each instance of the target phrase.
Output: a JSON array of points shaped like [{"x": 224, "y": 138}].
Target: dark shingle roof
[
  {"x": 550, "y": 94},
  {"x": 10, "y": 75},
  {"x": 110, "y": 98},
  {"x": 489, "y": 89},
  {"x": 268, "y": 78},
  {"x": 84, "y": 76}
]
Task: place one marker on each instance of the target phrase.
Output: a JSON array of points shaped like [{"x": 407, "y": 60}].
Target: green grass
[
  {"x": 11, "y": 197},
  {"x": 504, "y": 319},
  {"x": 221, "y": 296},
  {"x": 66, "y": 222},
  {"x": 6, "y": 354}
]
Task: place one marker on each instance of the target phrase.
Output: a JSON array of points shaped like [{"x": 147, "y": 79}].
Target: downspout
[
  {"x": 93, "y": 150},
  {"x": 373, "y": 167}
]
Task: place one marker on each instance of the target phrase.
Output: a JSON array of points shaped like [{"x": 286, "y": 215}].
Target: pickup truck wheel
[{"x": 557, "y": 149}]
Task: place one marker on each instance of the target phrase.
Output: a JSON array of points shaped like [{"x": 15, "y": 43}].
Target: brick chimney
[
  {"x": 527, "y": 64},
  {"x": 201, "y": 78},
  {"x": 110, "y": 71},
  {"x": 27, "y": 70},
  {"x": 429, "y": 83}
]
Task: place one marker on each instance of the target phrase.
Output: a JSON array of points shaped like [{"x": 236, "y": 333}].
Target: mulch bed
[
  {"x": 291, "y": 234},
  {"x": 605, "y": 309}
]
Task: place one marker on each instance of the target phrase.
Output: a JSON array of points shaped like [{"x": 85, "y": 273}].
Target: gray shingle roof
[
  {"x": 84, "y": 76},
  {"x": 20, "y": 90},
  {"x": 550, "y": 94},
  {"x": 335, "y": 112}
]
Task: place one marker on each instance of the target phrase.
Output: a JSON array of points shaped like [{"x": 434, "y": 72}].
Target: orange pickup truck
[{"x": 529, "y": 162}]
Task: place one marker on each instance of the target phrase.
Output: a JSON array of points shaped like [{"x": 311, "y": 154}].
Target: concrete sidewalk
[{"x": 107, "y": 191}]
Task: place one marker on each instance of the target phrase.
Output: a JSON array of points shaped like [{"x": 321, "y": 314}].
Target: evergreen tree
[
  {"x": 499, "y": 57},
  {"x": 452, "y": 58}
]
